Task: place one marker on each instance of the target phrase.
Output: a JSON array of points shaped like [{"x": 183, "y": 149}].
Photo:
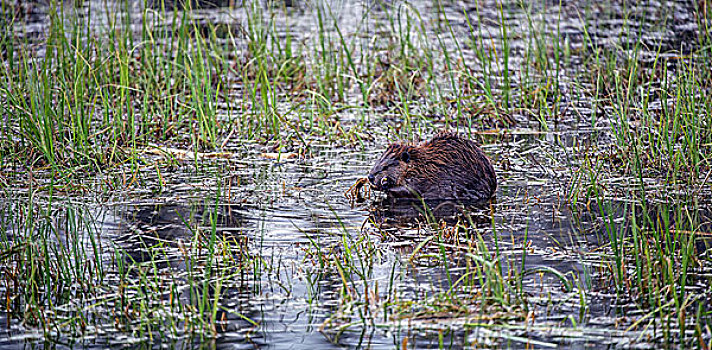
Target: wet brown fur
[{"x": 446, "y": 167}]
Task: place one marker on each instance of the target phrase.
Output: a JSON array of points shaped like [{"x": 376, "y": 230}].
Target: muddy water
[{"x": 282, "y": 210}]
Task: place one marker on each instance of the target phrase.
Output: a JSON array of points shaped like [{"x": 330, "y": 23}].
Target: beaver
[{"x": 448, "y": 167}]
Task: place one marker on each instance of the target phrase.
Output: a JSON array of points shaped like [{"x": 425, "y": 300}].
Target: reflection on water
[{"x": 404, "y": 214}]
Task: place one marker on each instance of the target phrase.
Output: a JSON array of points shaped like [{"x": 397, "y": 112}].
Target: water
[{"x": 305, "y": 269}]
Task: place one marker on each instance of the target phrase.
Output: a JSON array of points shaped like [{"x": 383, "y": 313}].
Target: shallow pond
[{"x": 257, "y": 245}]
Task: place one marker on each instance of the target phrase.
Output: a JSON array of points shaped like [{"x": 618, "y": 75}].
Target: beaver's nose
[{"x": 372, "y": 179}]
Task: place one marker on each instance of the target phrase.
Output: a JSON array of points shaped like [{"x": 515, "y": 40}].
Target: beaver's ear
[{"x": 405, "y": 156}]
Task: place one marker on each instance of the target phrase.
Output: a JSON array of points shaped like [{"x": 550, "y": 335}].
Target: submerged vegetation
[{"x": 174, "y": 173}]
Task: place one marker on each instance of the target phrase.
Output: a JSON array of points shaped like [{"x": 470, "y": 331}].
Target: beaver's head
[{"x": 387, "y": 174}]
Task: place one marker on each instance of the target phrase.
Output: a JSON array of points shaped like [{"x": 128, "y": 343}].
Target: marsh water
[{"x": 304, "y": 267}]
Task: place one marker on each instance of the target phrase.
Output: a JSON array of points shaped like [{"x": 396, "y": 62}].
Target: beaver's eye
[{"x": 405, "y": 156}]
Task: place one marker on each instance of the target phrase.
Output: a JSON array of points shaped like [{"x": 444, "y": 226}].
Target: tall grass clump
[
  {"x": 64, "y": 279},
  {"x": 645, "y": 182},
  {"x": 476, "y": 284},
  {"x": 94, "y": 93},
  {"x": 51, "y": 260}
]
